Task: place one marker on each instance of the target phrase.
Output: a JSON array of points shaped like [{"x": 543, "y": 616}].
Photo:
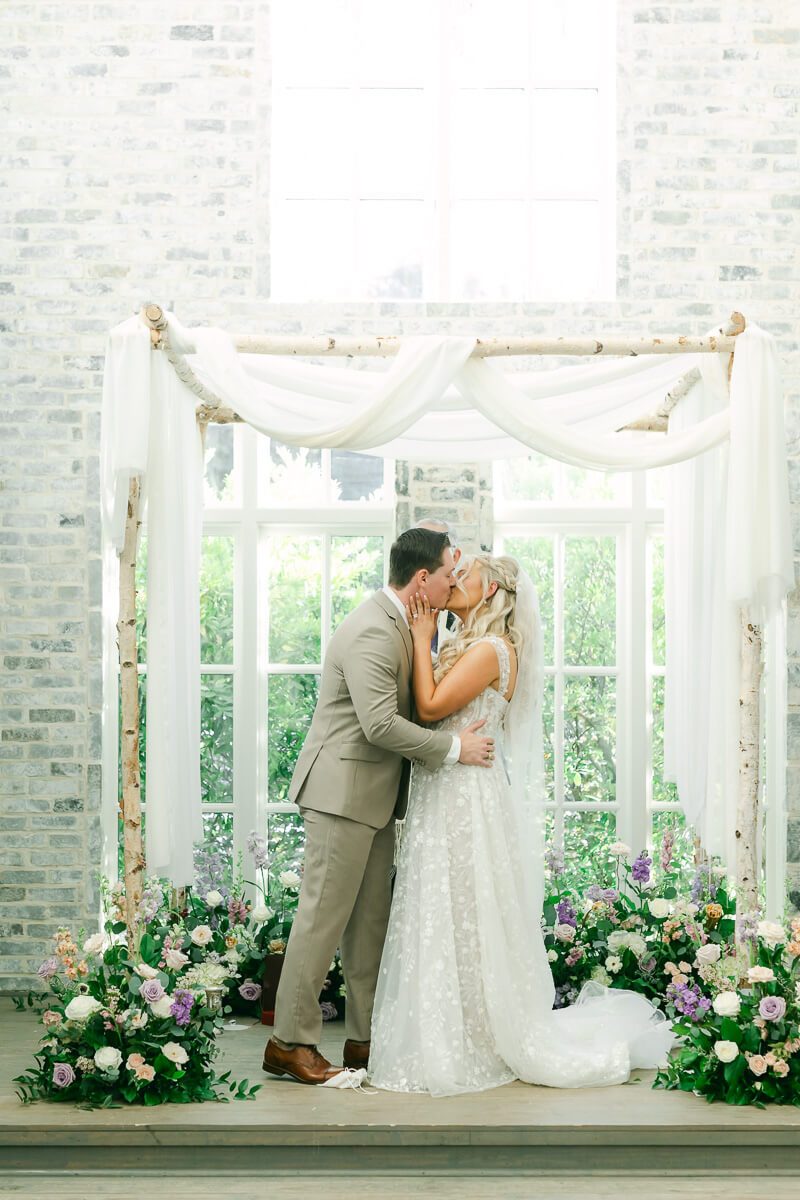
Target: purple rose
[
  {"x": 772, "y": 1008},
  {"x": 48, "y": 969},
  {"x": 610, "y": 895},
  {"x": 63, "y": 1075},
  {"x": 329, "y": 1012},
  {"x": 151, "y": 990},
  {"x": 594, "y": 892},
  {"x": 249, "y": 990},
  {"x": 641, "y": 868},
  {"x": 648, "y": 964}
]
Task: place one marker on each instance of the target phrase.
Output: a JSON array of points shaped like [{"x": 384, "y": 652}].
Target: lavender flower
[
  {"x": 151, "y": 901},
  {"x": 63, "y": 1075},
  {"x": 565, "y": 914},
  {"x": 210, "y": 871},
  {"x": 250, "y": 990},
  {"x": 746, "y": 927},
  {"x": 703, "y": 881},
  {"x": 641, "y": 868},
  {"x": 772, "y": 1008},
  {"x": 689, "y": 1000},
  {"x": 48, "y": 969},
  {"x": 555, "y": 862},
  {"x": 181, "y": 1007},
  {"x": 151, "y": 990}
]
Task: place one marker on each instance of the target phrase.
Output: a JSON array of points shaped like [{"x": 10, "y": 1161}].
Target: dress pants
[{"x": 344, "y": 902}]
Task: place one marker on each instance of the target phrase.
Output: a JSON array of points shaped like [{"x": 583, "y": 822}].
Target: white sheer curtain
[{"x": 730, "y": 513}]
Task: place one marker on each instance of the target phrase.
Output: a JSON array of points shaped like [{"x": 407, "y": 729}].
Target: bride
[{"x": 465, "y": 992}]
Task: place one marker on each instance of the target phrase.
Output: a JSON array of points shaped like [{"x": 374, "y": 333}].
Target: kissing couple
[{"x": 448, "y": 984}]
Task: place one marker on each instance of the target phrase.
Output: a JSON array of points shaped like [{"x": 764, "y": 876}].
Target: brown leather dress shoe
[
  {"x": 304, "y": 1063},
  {"x": 356, "y": 1054}
]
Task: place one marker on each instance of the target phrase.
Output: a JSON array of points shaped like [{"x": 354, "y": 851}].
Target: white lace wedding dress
[{"x": 465, "y": 993}]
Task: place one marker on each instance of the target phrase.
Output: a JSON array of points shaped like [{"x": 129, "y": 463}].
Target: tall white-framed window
[
  {"x": 446, "y": 150},
  {"x": 593, "y": 544},
  {"x": 292, "y": 541}
]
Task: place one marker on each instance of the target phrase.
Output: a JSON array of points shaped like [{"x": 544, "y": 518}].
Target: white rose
[
  {"x": 146, "y": 972},
  {"x": 175, "y": 959},
  {"x": 601, "y": 975},
  {"x": 771, "y": 933},
  {"x": 175, "y": 1053},
  {"x": 659, "y": 907},
  {"x": 727, "y": 1004},
  {"x": 620, "y": 848},
  {"x": 552, "y": 956},
  {"x": 161, "y": 1008},
  {"x": 107, "y": 1058},
  {"x": 617, "y": 939},
  {"x": 708, "y": 954},
  {"x": 760, "y": 974},
  {"x": 81, "y": 1007},
  {"x": 214, "y": 899},
  {"x": 138, "y": 1019},
  {"x": 637, "y": 944},
  {"x": 289, "y": 879},
  {"x": 726, "y": 1051},
  {"x": 201, "y": 935},
  {"x": 94, "y": 944},
  {"x": 565, "y": 933},
  {"x": 613, "y": 964},
  {"x": 261, "y": 913}
]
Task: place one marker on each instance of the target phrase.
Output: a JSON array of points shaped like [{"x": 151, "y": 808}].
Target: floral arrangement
[{"x": 126, "y": 1027}]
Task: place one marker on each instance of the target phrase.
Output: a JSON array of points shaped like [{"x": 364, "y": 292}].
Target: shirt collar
[{"x": 396, "y": 601}]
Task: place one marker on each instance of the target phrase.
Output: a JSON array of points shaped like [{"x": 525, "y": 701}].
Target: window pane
[
  {"x": 564, "y": 119},
  {"x": 295, "y": 599},
  {"x": 586, "y": 838},
  {"x": 286, "y": 845},
  {"x": 395, "y": 124},
  {"x": 141, "y": 599},
  {"x": 590, "y": 599},
  {"x": 656, "y": 480},
  {"x": 294, "y": 474},
  {"x": 566, "y": 262},
  {"x": 213, "y": 860},
  {"x": 662, "y": 792},
  {"x": 590, "y": 719},
  {"x": 390, "y": 248},
  {"x": 291, "y": 706},
  {"x": 489, "y": 44},
  {"x": 536, "y": 556},
  {"x": 658, "y": 623},
  {"x": 682, "y": 857},
  {"x": 597, "y": 485},
  {"x": 216, "y": 600},
  {"x": 356, "y": 476},
  {"x": 389, "y": 41},
  {"x": 216, "y": 739},
  {"x": 488, "y": 250},
  {"x": 307, "y": 158},
  {"x": 219, "y": 476},
  {"x": 548, "y": 735},
  {"x": 311, "y": 249},
  {"x": 569, "y": 38},
  {"x": 356, "y": 572},
  {"x": 532, "y": 478},
  {"x": 485, "y": 132},
  {"x": 311, "y": 42}
]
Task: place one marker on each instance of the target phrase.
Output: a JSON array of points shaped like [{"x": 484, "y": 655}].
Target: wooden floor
[{"x": 516, "y": 1141}]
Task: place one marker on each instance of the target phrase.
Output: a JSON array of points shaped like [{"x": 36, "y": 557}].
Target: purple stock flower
[
  {"x": 746, "y": 927},
  {"x": 565, "y": 914},
  {"x": 151, "y": 990},
  {"x": 772, "y": 1008},
  {"x": 48, "y": 969},
  {"x": 689, "y": 1000},
  {"x": 641, "y": 868},
  {"x": 555, "y": 862},
  {"x": 181, "y": 1007},
  {"x": 250, "y": 990},
  {"x": 63, "y": 1075}
]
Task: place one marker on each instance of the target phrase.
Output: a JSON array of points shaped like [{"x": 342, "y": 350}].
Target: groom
[{"x": 351, "y": 783}]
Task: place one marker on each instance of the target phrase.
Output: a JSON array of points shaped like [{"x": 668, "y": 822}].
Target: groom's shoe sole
[{"x": 281, "y": 1072}]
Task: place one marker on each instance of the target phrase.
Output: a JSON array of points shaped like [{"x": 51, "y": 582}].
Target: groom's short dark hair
[{"x": 416, "y": 550}]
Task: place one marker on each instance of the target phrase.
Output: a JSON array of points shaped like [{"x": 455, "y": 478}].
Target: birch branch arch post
[{"x": 211, "y": 409}]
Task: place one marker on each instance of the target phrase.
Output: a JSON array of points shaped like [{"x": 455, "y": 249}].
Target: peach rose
[
  {"x": 146, "y": 1072},
  {"x": 781, "y": 1068},
  {"x": 757, "y": 1064},
  {"x": 134, "y": 1061}
]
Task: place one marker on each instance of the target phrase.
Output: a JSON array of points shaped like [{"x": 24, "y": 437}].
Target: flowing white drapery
[{"x": 435, "y": 403}]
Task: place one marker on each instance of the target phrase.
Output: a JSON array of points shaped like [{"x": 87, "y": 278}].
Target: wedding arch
[{"x": 727, "y": 529}]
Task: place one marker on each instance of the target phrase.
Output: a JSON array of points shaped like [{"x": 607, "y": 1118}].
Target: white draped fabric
[{"x": 435, "y": 403}]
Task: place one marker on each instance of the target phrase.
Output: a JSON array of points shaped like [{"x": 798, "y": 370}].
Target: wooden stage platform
[{"x": 293, "y": 1130}]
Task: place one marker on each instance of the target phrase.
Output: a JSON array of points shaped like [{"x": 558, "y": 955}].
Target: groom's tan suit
[{"x": 351, "y": 782}]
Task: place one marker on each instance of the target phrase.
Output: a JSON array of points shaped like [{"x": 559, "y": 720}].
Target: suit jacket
[{"x": 355, "y": 761}]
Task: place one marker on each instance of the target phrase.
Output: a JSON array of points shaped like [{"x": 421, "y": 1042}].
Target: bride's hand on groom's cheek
[{"x": 421, "y": 618}]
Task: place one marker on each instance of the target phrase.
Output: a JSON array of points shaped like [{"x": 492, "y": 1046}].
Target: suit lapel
[{"x": 400, "y": 625}]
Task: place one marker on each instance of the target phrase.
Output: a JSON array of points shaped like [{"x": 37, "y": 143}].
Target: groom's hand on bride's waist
[{"x": 476, "y": 750}]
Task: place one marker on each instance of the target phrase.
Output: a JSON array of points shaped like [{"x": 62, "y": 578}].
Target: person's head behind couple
[{"x": 481, "y": 590}]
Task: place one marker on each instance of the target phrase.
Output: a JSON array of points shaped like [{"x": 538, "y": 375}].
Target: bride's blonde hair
[{"x": 494, "y": 617}]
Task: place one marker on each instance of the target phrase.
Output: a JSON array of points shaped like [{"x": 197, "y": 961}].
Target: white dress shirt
[{"x": 454, "y": 753}]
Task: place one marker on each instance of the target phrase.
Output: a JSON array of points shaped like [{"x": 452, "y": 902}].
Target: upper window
[{"x": 447, "y": 150}]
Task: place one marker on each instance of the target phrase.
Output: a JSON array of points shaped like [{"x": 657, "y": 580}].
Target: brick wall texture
[{"x": 135, "y": 166}]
